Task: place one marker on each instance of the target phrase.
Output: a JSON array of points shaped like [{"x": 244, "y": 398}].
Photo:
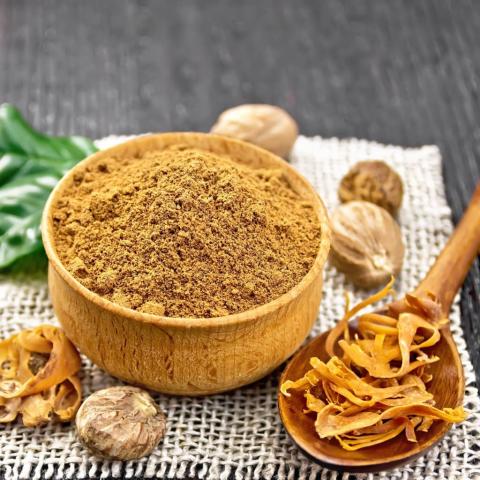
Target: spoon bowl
[{"x": 447, "y": 386}]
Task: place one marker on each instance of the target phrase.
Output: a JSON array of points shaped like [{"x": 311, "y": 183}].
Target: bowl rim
[{"x": 185, "y": 322}]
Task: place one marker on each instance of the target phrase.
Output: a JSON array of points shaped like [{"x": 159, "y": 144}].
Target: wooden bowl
[{"x": 187, "y": 356}]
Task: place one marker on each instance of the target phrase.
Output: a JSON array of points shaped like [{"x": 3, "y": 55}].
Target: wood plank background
[{"x": 402, "y": 72}]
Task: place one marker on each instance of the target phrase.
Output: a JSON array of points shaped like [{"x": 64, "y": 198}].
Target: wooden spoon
[{"x": 448, "y": 384}]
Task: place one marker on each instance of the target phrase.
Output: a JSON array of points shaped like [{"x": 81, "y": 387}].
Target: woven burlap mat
[{"x": 239, "y": 435}]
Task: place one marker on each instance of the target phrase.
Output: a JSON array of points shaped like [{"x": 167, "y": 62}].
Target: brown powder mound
[{"x": 185, "y": 233}]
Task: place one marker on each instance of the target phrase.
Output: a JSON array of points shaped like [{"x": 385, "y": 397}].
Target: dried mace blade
[
  {"x": 120, "y": 423},
  {"x": 38, "y": 377},
  {"x": 366, "y": 244}
]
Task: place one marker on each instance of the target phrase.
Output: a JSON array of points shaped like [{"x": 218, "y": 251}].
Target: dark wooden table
[{"x": 403, "y": 72}]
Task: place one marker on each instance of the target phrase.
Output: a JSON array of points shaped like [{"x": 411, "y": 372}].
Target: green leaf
[{"x": 31, "y": 164}]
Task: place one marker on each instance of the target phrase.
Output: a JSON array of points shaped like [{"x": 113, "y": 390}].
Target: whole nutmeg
[
  {"x": 266, "y": 126},
  {"x": 373, "y": 181},
  {"x": 120, "y": 423},
  {"x": 366, "y": 244}
]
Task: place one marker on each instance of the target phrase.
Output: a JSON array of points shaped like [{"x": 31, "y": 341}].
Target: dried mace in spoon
[
  {"x": 367, "y": 244},
  {"x": 120, "y": 423},
  {"x": 373, "y": 181}
]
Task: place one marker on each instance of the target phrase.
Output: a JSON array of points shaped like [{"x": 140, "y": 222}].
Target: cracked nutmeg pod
[
  {"x": 120, "y": 423},
  {"x": 266, "y": 126},
  {"x": 367, "y": 244},
  {"x": 373, "y": 181}
]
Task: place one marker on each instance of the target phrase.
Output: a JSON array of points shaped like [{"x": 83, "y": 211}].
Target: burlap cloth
[{"x": 239, "y": 435}]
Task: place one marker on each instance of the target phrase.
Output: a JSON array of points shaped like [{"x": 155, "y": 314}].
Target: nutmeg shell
[
  {"x": 120, "y": 423},
  {"x": 366, "y": 244},
  {"x": 266, "y": 126},
  {"x": 373, "y": 181}
]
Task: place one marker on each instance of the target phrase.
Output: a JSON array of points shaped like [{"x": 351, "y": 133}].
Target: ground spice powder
[{"x": 185, "y": 232}]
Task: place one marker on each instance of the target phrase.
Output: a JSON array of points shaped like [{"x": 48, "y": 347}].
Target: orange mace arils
[
  {"x": 377, "y": 389},
  {"x": 38, "y": 378}
]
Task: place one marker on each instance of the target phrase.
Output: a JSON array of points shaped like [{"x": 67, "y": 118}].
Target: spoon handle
[{"x": 452, "y": 265}]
